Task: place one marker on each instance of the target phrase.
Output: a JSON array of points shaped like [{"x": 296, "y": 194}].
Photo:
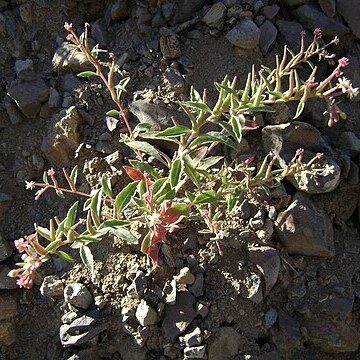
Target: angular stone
[
  {"x": 15, "y": 115},
  {"x": 350, "y": 143},
  {"x": 289, "y": 33},
  {"x": 80, "y": 325},
  {"x": 270, "y": 11},
  {"x": 350, "y": 11},
  {"x": 78, "y": 295},
  {"x": 170, "y": 45},
  {"x": 294, "y": 3},
  {"x": 185, "y": 276},
  {"x": 186, "y": 8},
  {"x": 29, "y": 96},
  {"x": 5, "y": 248},
  {"x": 145, "y": 314},
  {"x": 245, "y": 35},
  {"x": 215, "y": 17},
  {"x": 333, "y": 336},
  {"x": 6, "y": 282},
  {"x": 195, "y": 352},
  {"x": 312, "y": 17},
  {"x": 267, "y": 260},
  {"x": 268, "y": 36},
  {"x": 289, "y": 327},
  {"x": 225, "y": 345},
  {"x": 7, "y": 332},
  {"x": 118, "y": 10},
  {"x": 179, "y": 316},
  {"x": 76, "y": 340},
  {"x": 63, "y": 63},
  {"x": 328, "y": 7},
  {"x": 305, "y": 230},
  {"x": 63, "y": 136},
  {"x": 193, "y": 338},
  {"x": 284, "y": 140},
  {"x": 52, "y": 286}
]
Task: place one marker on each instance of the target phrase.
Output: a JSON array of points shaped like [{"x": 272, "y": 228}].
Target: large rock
[
  {"x": 5, "y": 249},
  {"x": 289, "y": 33},
  {"x": 145, "y": 314},
  {"x": 215, "y": 17},
  {"x": 63, "y": 136},
  {"x": 180, "y": 315},
  {"x": 350, "y": 10},
  {"x": 29, "y": 96},
  {"x": 5, "y": 202},
  {"x": 305, "y": 230},
  {"x": 186, "y": 8},
  {"x": 268, "y": 36},
  {"x": 245, "y": 35},
  {"x": 6, "y": 282},
  {"x": 284, "y": 139},
  {"x": 333, "y": 336},
  {"x": 294, "y": 3},
  {"x": 312, "y": 17},
  {"x": 63, "y": 61},
  {"x": 328, "y": 7},
  {"x": 78, "y": 295},
  {"x": 225, "y": 345}
]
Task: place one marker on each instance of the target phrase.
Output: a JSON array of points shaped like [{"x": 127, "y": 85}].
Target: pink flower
[
  {"x": 68, "y": 27},
  {"x": 51, "y": 172},
  {"x": 112, "y": 56},
  {"x": 26, "y": 280},
  {"x": 70, "y": 37},
  {"x": 21, "y": 245},
  {"x": 343, "y": 62},
  {"x": 317, "y": 33}
]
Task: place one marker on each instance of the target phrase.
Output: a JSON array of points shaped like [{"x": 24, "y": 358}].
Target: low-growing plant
[{"x": 188, "y": 184}]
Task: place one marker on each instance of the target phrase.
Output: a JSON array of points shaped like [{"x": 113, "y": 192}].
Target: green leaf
[
  {"x": 87, "y": 204},
  {"x": 175, "y": 173},
  {"x": 194, "y": 95},
  {"x": 113, "y": 112},
  {"x": 124, "y": 234},
  {"x": 145, "y": 244},
  {"x": 53, "y": 245},
  {"x": 209, "y": 162},
  {"x": 197, "y": 105},
  {"x": 144, "y": 168},
  {"x": 124, "y": 197},
  {"x": 64, "y": 256},
  {"x": 44, "y": 232},
  {"x": 277, "y": 94},
  {"x": 74, "y": 174},
  {"x": 190, "y": 171},
  {"x": 210, "y": 138},
  {"x": 71, "y": 216},
  {"x": 106, "y": 185},
  {"x": 237, "y": 122},
  {"x": 95, "y": 50},
  {"x": 114, "y": 223},
  {"x": 122, "y": 83},
  {"x": 140, "y": 127},
  {"x": 145, "y": 148},
  {"x": 299, "y": 109},
  {"x": 173, "y": 131},
  {"x": 87, "y": 257},
  {"x": 45, "y": 178},
  {"x": 158, "y": 184},
  {"x": 182, "y": 209},
  {"x": 207, "y": 197},
  {"x": 86, "y": 74},
  {"x": 95, "y": 204},
  {"x": 166, "y": 194},
  {"x": 190, "y": 196}
]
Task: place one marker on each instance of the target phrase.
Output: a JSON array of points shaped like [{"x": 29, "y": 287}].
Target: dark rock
[
  {"x": 118, "y": 10},
  {"x": 5, "y": 248},
  {"x": 22, "y": 66},
  {"x": 15, "y": 115},
  {"x": 328, "y": 7},
  {"x": 268, "y": 36},
  {"x": 305, "y": 230},
  {"x": 281, "y": 114},
  {"x": 175, "y": 79},
  {"x": 78, "y": 295},
  {"x": 63, "y": 136},
  {"x": 81, "y": 324},
  {"x": 197, "y": 288},
  {"x": 270, "y": 11},
  {"x": 69, "y": 82},
  {"x": 245, "y": 35},
  {"x": 170, "y": 45},
  {"x": 215, "y": 17},
  {"x": 283, "y": 140},
  {"x": 312, "y": 17},
  {"x": 294, "y": 3},
  {"x": 289, "y": 327},
  {"x": 76, "y": 340},
  {"x": 138, "y": 286},
  {"x": 6, "y": 282},
  {"x": 349, "y": 142},
  {"x": 270, "y": 318},
  {"x": 350, "y": 11},
  {"x": 54, "y": 99},
  {"x": 267, "y": 260},
  {"x": 8, "y": 306},
  {"x": 7, "y": 331},
  {"x": 225, "y": 344},
  {"x": 99, "y": 32},
  {"x": 29, "y": 96},
  {"x": 179, "y": 316},
  {"x": 289, "y": 33},
  {"x": 186, "y": 8},
  {"x": 337, "y": 304},
  {"x": 332, "y": 336}
]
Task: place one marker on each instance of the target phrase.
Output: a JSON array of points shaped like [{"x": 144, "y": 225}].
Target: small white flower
[{"x": 29, "y": 185}]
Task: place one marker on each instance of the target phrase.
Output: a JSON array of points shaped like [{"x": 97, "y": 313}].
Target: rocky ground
[{"x": 288, "y": 284}]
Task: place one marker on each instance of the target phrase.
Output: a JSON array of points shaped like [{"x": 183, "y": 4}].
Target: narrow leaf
[
  {"x": 71, "y": 216},
  {"x": 145, "y": 148},
  {"x": 123, "y": 199},
  {"x": 64, "y": 256},
  {"x": 87, "y": 257},
  {"x": 113, "y": 112},
  {"x": 74, "y": 174},
  {"x": 299, "y": 109},
  {"x": 175, "y": 173},
  {"x": 207, "y": 197},
  {"x": 106, "y": 185},
  {"x": 199, "y": 106},
  {"x": 86, "y": 74}
]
